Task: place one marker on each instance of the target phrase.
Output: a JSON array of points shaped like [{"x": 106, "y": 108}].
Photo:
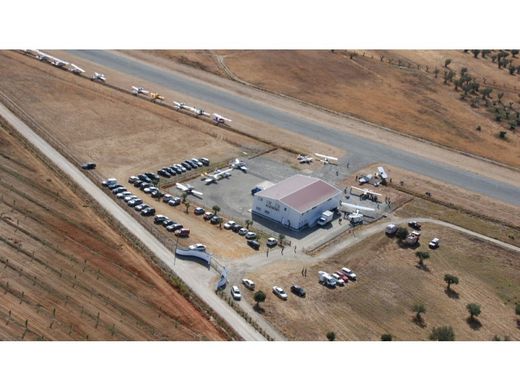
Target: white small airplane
[
  {"x": 219, "y": 119},
  {"x": 198, "y": 111},
  {"x": 139, "y": 90},
  {"x": 98, "y": 77},
  {"x": 327, "y": 159},
  {"x": 238, "y": 164},
  {"x": 75, "y": 69},
  {"x": 50, "y": 59},
  {"x": 179, "y": 105},
  {"x": 188, "y": 189},
  {"x": 155, "y": 96},
  {"x": 365, "y": 191},
  {"x": 217, "y": 175},
  {"x": 304, "y": 159}
]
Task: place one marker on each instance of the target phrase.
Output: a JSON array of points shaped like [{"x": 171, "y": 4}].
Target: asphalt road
[
  {"x": 192, "y": 274},
  {"x": 361, "y": 148}
]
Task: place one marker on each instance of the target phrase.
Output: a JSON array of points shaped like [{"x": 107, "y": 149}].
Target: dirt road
[{"x": 193, "y": 275}]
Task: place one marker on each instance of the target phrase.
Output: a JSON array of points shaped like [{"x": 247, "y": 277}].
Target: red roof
[{"x": 300, "y": 192}]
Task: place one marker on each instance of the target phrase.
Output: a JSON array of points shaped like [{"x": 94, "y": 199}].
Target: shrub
[
  {"x": 442, "y": 333},
  {"x": 386, "y": 337},
  {"x": 331, "y": 336}
]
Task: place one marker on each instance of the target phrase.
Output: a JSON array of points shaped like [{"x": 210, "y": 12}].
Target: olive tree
[
  {"x": 451, "y": 279},
  {"x": 331, "y": 336},
  {"x": 259, "y": 297},
  {"x": 473, "y": 309}
]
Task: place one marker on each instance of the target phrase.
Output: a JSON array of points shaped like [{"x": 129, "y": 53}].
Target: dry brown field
[
  {"x": 407, "y": 99},
  {"x": 390, "y": 283},
  {"x": 65, "y": 274}
]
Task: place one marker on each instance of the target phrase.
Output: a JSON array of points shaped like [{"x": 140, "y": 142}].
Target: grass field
[
  {"x": 66, "y": 275},
  {"x": 390, "y": 283}
]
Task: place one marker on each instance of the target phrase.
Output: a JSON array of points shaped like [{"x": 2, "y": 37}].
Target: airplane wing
[
  {"x": 198, "y": 193},
  {"x": 76, "y": 69},
  {"x": 326, "y": 157},
  {"x": 181, "y": 187}
]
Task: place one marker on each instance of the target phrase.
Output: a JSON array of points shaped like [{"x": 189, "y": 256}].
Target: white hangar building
[{"x": 296, "y": 202}]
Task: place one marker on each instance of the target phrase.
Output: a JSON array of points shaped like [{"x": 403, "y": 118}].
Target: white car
[
  {"x": 339, "y": 280},
  {"x": 229, "y": 224},
  {"x": 235, "y": 293},
  {"x": 434, "y": 243},
  {"x": 271, "y": 241},
  {"x": 243, "y": 231},
  {"x": 198, "y": 247},
  {"x": 280, "y": 293},
  {"x": 251, "y": 235},
  {"x": 248, "y": 283}
]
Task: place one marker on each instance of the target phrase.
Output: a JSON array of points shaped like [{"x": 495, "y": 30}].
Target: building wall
[{"x": 289, "y": 217}]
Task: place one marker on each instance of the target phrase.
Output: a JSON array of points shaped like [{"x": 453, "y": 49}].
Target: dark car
[
  {"x": 297, "y": 290},
  {"x": 118, "y": 190},
  {"x": 253, "y": 244},
  {"x": 215, "y": 220},
  {"x": 171, "y": 171},
  {"x": 156, "y": 194},
  {"x": 415, "y": 225},
  {"x": 89, "y": 165},
  {"x": 114, "y": 186},
  {"x": 167, "y": 222},
  {"x": 159, "y": 219},
  {"x": 137, "y": 183},
  {"x": 204, "y": 161},
  {"x": 144, "y": 185},
  {"x": 186, "y": 165},
  {"x": 132, "y": 179},
  {"x": 163, "y": 173},
  {"x": 236, "y": 227},
  {"x": 173, "y": 227},
  {"x": 198, "y": 211},
  {"x": 147, "y": 212},
  {"x": 178, "y": 170}
]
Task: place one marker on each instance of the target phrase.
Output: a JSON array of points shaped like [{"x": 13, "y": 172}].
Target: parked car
[
  {"x": 167, "y": 197},
  {"x": 159, "y": 218},
  {"x": 174, "y": 227},
  {"x": 280, "y": 293},
  {"x": 342, "y": 276},
  {"x": 167, "y": 222},
  {"x": 391, "y": 229},
  {"x": 235, "y": 293},
  {"x": 297, "y": 290},
  {"x": 198, "y": 211},
  {"x": 132, "y": 179},
  {"x": 243, "y": 231},
  {"x": 271, "y": 241},
  {"x": 183, "y": 232},
  {"x": 434, "y": 243},
  {"x": 204, "y": 161},
  {"x": 208, "y": 215},
  {"x": 250, "y": 235},
  {"x": 89, "y": 166},
  {"x": 117, "y": 190},
  {"x": 175, "y": 201},
  {"x": 215, "y": 220},
  {"x": 236, "y": 228},
  {"x": 253, "y": 244},
  {"x": 415, "y": 225},
  {"x": 141, "y": 207},
  {"x": 198, "y": 247},
  {"x": 339, "y": 279},
  {"x": 248, "y": 283},
  {"x": 229, "y": 224},
  {"x": 135, "y": 202},
  {"x": 148, "y": 211},
  {"x": 348, "y": 272}
]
